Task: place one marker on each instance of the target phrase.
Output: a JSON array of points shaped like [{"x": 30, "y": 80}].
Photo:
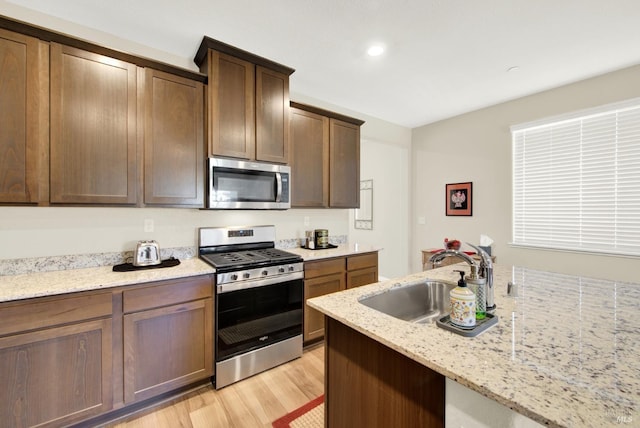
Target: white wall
[
  {"x": 386, "y": 164},
  {"x": 384, "y": 157},
  {"x": 55, "y": 231},
  {"x": 476, "y": 147}
]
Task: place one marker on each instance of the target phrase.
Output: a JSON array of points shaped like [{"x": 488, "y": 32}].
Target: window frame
[{"x": 580, "y": 234}]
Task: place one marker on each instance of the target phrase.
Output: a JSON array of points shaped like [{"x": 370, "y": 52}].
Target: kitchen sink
[{"x": 423, "y": 302}]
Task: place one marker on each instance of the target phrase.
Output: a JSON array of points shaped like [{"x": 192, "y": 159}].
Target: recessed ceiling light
[{"x": 375, "y": 50}]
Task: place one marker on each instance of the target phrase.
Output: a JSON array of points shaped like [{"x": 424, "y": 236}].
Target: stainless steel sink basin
[{"x": 420, "y": 303}]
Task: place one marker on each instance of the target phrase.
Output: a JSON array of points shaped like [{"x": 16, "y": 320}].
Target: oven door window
[
  {"x": 256, "y": 317},
  {"x": 230, "y": 185}
]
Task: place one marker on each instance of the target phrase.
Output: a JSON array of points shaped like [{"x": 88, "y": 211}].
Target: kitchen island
[{"x": 564, "y": 353}]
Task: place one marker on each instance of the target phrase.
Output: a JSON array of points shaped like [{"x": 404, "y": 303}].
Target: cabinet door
[
  {"x": 272, "y": 116},
  {"x": 20, "y": 102},
  {"x": 359, "y": 277},
  {"x": 314, "y": 320},
  {"x": 56, "y": 376},
  {"x": 231, "y": 106},
  {"x": 344, "y": 164},
  {"x": 167, "y": 348},
  {"x": 93, "y": 128},
  {"x": 309, "y": 159},
  {"x": 173, "y": 140}
]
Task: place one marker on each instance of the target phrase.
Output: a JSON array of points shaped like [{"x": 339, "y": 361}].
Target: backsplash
[{"x": 81, "y": 261}]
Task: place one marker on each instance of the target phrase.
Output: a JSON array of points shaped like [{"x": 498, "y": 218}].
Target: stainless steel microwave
[{"x": 243, "y": 185}]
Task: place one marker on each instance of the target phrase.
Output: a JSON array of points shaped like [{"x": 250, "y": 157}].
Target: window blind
[{"x": 576, "y": 181}]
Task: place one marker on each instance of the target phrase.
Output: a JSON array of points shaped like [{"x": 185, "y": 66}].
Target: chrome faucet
[{"x": 484, "y": 268}]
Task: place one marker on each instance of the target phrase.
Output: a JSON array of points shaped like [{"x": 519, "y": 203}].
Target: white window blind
[{"x": 576, "y": 181}]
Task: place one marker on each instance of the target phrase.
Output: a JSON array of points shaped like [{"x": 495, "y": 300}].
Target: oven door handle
[
  {"x": 278, "y": 187},
  {"x": 254, "y": 283}
]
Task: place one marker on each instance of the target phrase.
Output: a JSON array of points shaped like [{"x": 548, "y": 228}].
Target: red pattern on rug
[{"x": 284, "y": 421}]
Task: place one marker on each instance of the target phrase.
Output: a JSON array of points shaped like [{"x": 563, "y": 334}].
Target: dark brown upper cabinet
[
  {"x": 325, "y": 161},
  {"x": 173, "y": 140},
  {"x": 247, "y": 101},
  {"x": 93, "y": 128},
  {"x": 79, "y": 125},
  {"x": 309, "y": 159},
  {"x": 344, "y": 164},
  {"x": 23, "y": 116}
]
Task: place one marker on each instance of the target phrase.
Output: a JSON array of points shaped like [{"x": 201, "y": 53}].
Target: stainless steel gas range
[{"x": 259, "y": 298}]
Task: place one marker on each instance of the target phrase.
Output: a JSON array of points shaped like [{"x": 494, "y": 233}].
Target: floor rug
[{"x": 311, "y": 415}]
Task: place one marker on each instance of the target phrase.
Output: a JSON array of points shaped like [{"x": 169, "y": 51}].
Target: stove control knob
[
  {"x": 291, "y": 268},
  {"x": 265, "y": 272},
  {"x": 281, "y": 270},
  {"x": 246, "y": 275},
  {"x": 234, "y": 277}
]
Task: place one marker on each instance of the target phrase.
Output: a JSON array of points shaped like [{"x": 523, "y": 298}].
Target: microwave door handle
[{"x": 278, "y": 187}]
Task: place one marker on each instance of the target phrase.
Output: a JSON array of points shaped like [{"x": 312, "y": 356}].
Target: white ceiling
[{"x": 443, "y": 57}]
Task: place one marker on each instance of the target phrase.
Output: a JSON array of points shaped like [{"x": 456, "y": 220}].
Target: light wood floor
[{"x": 253, "y": 402}]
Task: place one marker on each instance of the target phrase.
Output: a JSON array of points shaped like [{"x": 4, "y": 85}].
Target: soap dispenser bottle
[{"x": 463, "y": 304}]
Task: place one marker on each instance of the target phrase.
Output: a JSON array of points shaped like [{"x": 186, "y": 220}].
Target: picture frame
[
  {"x": 459, "y": 199},
  {"x": 364, "y": 214}
]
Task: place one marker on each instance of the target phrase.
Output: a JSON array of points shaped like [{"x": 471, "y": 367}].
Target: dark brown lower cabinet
[
  {"x": 168, "y": 337},
  {"x": 329, "y": 276},
  {"x": 370, "y": 385},
  {"x": 315, "y": 287},
  {"x": 166, "y": 348},
  {"x": 55, "y": 375},
  {"x": 83, "y": 357}
]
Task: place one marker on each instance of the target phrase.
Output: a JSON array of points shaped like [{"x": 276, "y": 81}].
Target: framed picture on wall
[{"x": 459, "y": 198}]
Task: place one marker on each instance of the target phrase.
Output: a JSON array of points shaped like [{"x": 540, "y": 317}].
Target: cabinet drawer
[
  {"x": 362, "y": 261},
  {"x": 167, "y": 293},
  {"x": 48, "y": 312},
  {"x": 324, "y": 267}
]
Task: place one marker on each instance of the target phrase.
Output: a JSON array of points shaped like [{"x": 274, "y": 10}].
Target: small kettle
[{"x": 147, "y": 254}]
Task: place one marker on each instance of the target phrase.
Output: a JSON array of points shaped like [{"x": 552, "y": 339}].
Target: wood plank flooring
[{"x": 253, "y": 402}]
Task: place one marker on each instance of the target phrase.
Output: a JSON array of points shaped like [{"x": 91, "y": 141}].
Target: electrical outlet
[
  {"x": 148, "y": 225},
  {"x": 306, "y": 221},
  {"x": 422, "y": 220}
]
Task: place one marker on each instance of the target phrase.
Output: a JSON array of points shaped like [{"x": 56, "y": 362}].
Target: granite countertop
[
  {"x": 39, "y": 284},
  {"x": 341, "y": 251},
  {"x": 17, "y": 287},
  {"x": 565, "y": 352}
]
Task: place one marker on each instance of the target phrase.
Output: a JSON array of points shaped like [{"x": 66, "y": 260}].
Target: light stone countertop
[
  {"x": 39, "y": 284},
  {"x": 341, "y": 251},
  {"x": 26, "y": 286},
  {"x": 565, "y": 352}
]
